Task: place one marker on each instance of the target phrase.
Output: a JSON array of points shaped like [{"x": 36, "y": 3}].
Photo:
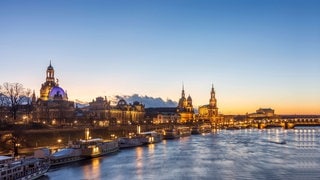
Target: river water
[{"x": 225, "y": 154}]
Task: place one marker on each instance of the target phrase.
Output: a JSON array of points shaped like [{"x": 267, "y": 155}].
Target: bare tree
[
  {"x": 16, "y": 95},
  {"x": 3, "y": 106},
  {"x": 12, "y": 141}
]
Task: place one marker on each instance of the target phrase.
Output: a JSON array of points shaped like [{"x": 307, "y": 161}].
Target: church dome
[
  {"x": 189, "y": 98},
  {"x": 57, "y": 93}
]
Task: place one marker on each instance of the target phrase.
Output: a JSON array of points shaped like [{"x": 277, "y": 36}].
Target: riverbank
[{"x": 59, "y": 137}]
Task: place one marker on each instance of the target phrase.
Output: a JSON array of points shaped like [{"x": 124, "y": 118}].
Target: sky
[{"x": 257, "y": 54}]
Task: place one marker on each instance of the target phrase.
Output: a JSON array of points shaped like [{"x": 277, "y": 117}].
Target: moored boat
[
  {"x": 22, "y": 168},
  {"x": 176, "y": 132},
  {"x": 66, "y": 155},
  {"x": 126, "y": 142},
  {"x": 206, "y": 128},
  {"x": 195, "y": 130},
  {"x": 150, "y": 137},
  {"x": 184, "y": 131},
  {"x": 97, "y": 147},
  {"x": 170, "y": 133}
]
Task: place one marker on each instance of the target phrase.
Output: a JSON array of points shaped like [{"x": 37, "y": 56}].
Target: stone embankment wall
[{"x": 50, "y": 137}]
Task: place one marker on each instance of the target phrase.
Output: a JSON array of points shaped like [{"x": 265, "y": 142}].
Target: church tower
[
  {"x": 33, "y": 97},
  {"x": 50, "y": 74},
  {"x": 53, "y": 106},
  {"x": 50, "y": 82},
  {"x": 213, "y": 100},
  {"x": 185, "y": 108},
  {"x": 212, "y": 108},
  {"x": 183, "y": 101}
]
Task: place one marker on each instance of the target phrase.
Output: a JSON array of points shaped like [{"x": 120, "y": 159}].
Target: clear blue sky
[{"x": 257, "y": 53}]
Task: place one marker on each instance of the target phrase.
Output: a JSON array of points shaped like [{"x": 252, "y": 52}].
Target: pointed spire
[
  {"x": 212, "y": 101},
  {"x": 50, "y": 66},
  {"x": 33, "y": 99},
  {"x": 182, "y": 93},
  {"x": 212, "y": 90}
]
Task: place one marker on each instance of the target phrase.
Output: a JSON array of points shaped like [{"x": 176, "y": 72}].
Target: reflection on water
[
  {"x": 234, "y": 154},
  {"x": 93, "y": 170},
  {"x": 139, "y": 161}
]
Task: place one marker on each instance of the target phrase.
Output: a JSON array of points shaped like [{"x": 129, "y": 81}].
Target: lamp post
[{"x": 59, "y": 142}]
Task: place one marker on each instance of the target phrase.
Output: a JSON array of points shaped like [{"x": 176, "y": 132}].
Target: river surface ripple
[{"x": 225, "y": 154}]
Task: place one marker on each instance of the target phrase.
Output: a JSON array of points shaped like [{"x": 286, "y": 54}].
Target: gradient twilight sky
[{"x": 257, "y": 53}]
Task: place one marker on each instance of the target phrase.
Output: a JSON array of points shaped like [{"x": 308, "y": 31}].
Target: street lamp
[{"x": 59, "y": 142}]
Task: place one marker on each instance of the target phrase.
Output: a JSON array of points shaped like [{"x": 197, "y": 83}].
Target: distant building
[
  {"x": 185, "y": 108},
  {"x": 209, "y": 112},
  {"x": 183, "y": 113},
  {"x": 162, "y": 115},
  {"x": 104, "y": 114},
  {"x": 262, "y": 113},
  {"x": 126, "y": 114},
  {"x": 53, "y": 106}
]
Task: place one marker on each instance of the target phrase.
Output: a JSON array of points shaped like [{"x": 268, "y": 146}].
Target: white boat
[
  {"x": 97, "y": 147},
  {"x": 176, "y": 132},
  {"x": 205, "y": 128},
  {"x": 150, "y": 137},
  {"x": 126, "y": 142},
  {"x": 66, "y": 155},
  {"x": 22, "y": 168},
  {"x": 183, "y": 131},
  {"x": 79, "y": 150}
]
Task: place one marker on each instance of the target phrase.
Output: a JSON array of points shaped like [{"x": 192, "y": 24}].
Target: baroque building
[
  {"x": 185, "y": 108},
  {"x": 262, "y": 113},
  {"x": 53, "y": 106},
  {"x": 209, "y": 111},
  {"x": 102, "y": 112}
]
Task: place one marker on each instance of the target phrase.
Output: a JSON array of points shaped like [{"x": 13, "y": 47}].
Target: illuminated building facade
[
  {"x": 185, "y": 108},
  {"x": 125, "y": 113},
  {"x": 53, "y": 106},
  {"x": 162, "y": 115},
  {"x": 262, "y": 113},
  {"x": 209, "y": 111},
  {"x": 122, "y": 113}
]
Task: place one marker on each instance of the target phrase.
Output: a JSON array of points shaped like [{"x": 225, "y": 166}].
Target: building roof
[{"x": 57, "y": 92}]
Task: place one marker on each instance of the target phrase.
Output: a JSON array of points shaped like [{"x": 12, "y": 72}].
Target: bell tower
[
  {"x": 46, "y": 86},
  {"x": 50, "y": 74},
  {"x": 183, "y": 95},
  {"x": 212, "y": 109},
  {"x": 213, "y": 100}
]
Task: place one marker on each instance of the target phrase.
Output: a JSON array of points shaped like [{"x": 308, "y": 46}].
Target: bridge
[{"x": 286, "y": 122}]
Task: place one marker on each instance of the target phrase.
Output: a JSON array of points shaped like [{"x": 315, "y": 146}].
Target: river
[{"x": 225, "y": 154}]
